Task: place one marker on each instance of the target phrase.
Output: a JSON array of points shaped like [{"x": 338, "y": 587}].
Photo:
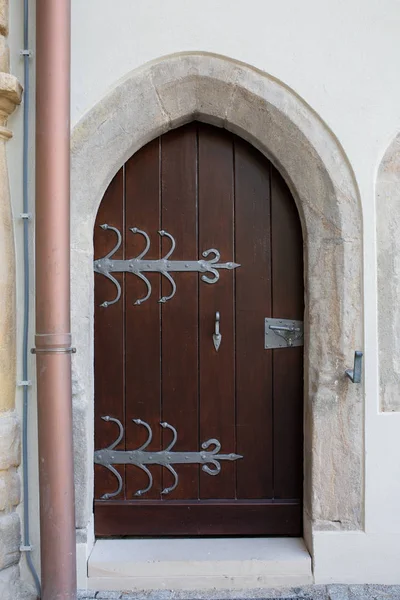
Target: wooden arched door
[{"x": 234, "y": 404}]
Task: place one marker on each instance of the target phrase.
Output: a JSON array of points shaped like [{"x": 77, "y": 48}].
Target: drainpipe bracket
[
  {"x": 51, "y": 350},
  {"x": 25, "y": 383},
  {"x": 27, "y": 216},
  {"x": 25, "y": 548},
  {"x": 26, "y": 52}
]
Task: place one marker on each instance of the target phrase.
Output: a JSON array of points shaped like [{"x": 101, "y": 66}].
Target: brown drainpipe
[{"x": 53, "y": 337}]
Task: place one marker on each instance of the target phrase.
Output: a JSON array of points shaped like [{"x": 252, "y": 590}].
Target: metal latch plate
[{"x": 283, "y": 333}]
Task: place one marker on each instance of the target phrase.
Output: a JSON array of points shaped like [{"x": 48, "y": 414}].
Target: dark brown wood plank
[
  {"x": 142, "y": 337},
  {"x": 180, "y": 314},
  {"x": 288, "y": 303},
  {"x": 213, "y": 517},
  {"x": 253, "y": 304},
  {"x": 217, "y": 369},
  {"x": 108, "y": 336}
]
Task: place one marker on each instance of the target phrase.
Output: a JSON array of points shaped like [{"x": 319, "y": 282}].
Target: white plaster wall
[{"x": 342, "y": 58}]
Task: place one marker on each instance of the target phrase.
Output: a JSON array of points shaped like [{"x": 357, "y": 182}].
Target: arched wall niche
[{"x": 168, "y": 93}]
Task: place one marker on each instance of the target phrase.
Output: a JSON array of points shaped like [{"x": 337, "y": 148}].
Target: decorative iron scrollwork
[
  {"x": 108, "y": 457},
  {"x": 139, "y": 265}
]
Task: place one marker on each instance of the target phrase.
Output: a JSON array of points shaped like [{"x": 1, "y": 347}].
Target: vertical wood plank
[
  {"x": 180, "y": 314},
  {"x": 108, "y": 337},
  {"x": 253, "y": 304},
  {"x": 217, "y": 376},
  {"x": 288, "y": 303},
  {"x": 143, "y": 322}
]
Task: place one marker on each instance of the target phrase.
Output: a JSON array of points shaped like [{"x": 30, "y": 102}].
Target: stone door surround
[{"x": 170, "y": 92}]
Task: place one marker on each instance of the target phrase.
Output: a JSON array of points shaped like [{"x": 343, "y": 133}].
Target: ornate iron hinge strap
[
  {"x": 210, "y": 459},
  {"x": 140, "y": 265}
]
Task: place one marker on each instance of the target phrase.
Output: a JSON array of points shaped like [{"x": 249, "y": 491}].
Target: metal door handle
[{"x": 217, "y": 337}]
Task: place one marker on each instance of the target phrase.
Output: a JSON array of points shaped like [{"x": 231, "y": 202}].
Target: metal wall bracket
[
  {"x": 283, "y": 333},
  {"x": 140, "y": 265},
  {"x": 209, "y": 459},
  {"x": 355, "y": 374}
]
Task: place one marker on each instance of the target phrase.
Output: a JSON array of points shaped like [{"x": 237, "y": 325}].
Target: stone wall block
[
  {"x": 4, "y": 17},
  {"x": 12, "y": 588},
  {"x": 10, "y": 540},
  {"x": 10, "y": 444},
  {"x": 4, "y": 55},
  {"x": 10, "y": 489},
  {"x": 10, "y": 93}
]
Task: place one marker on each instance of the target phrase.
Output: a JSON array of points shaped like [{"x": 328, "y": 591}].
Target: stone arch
[
  {"x": 388, "y": 253},
  {"x": 175, "y": 90}
]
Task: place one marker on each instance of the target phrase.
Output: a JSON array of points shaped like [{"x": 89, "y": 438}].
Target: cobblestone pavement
[{"x": 316, "y": 592}]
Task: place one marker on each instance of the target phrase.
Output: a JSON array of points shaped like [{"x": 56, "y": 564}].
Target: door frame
[{"x": 173, "y": 91}]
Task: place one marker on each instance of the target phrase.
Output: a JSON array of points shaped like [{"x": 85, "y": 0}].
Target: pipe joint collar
[{"x": 53, "y": 342}]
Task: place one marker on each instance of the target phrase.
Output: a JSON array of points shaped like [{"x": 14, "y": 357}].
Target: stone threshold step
[{"x": 198, "y": 564}]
